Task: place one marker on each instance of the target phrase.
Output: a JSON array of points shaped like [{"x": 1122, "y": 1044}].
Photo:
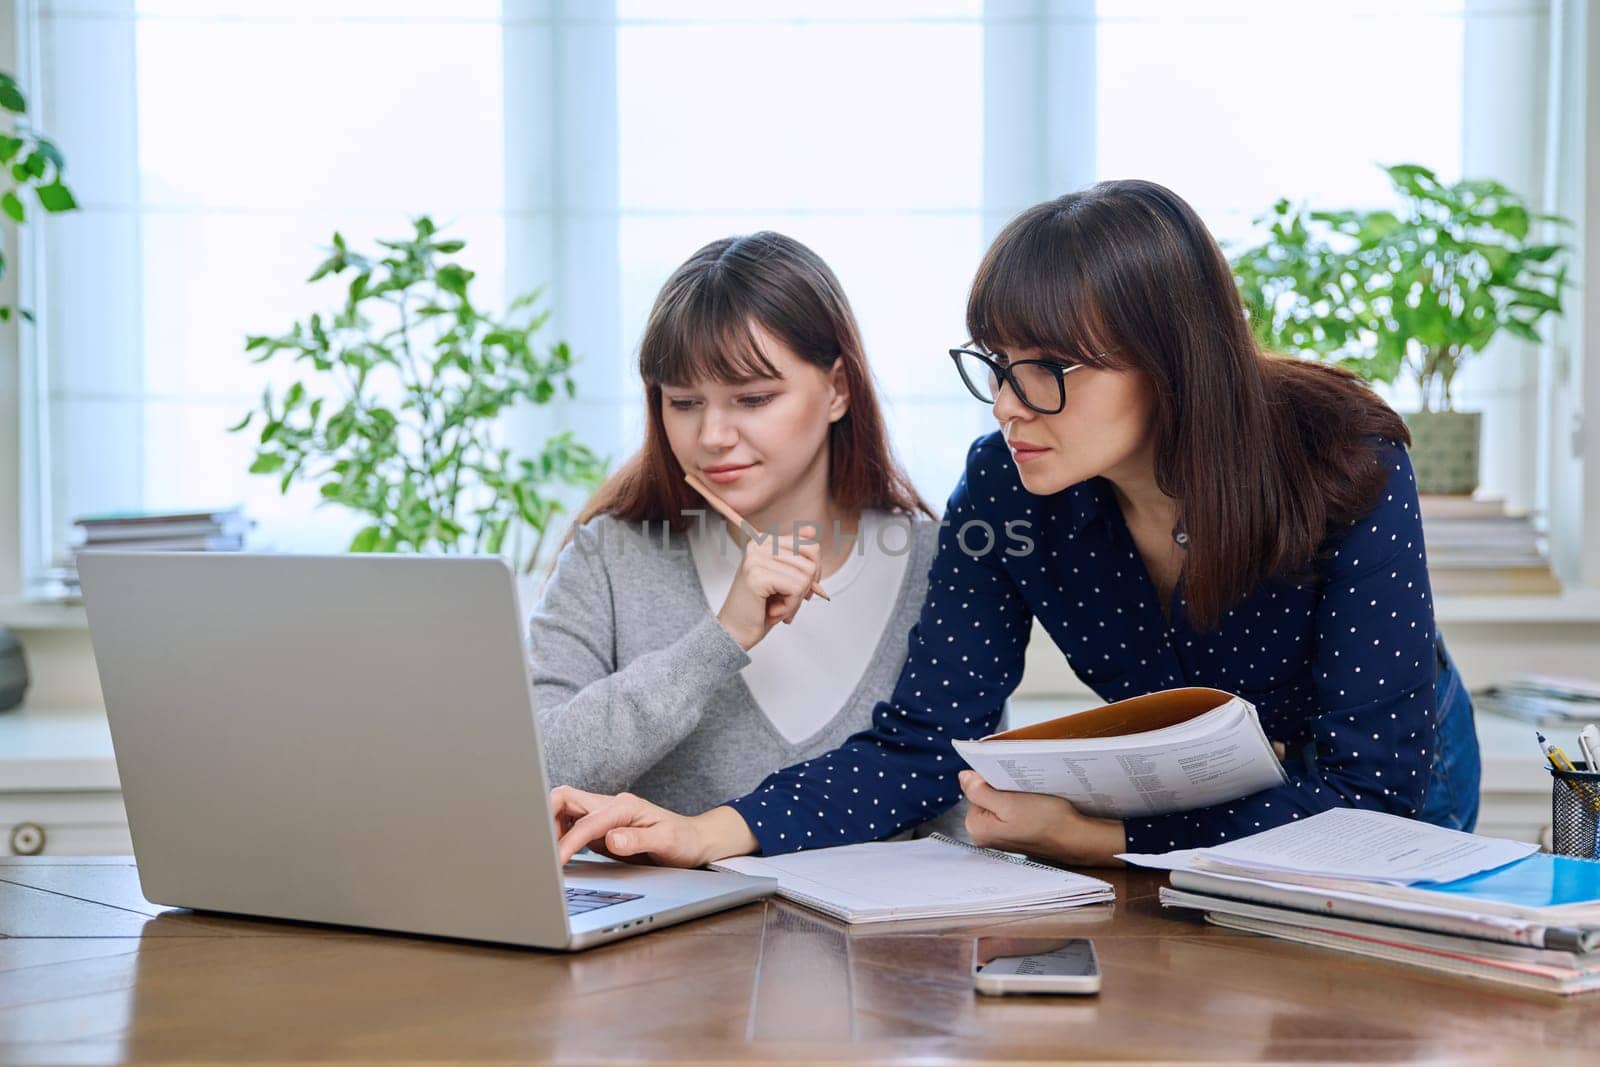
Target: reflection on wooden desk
[{"x": 91, "y": 973}]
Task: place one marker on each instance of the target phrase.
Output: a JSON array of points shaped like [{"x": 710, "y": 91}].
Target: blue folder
[{"x": 1537, "y": 881}]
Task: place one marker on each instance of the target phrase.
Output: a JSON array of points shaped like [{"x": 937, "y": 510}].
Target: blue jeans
[{"x": 1452, "y": 793}]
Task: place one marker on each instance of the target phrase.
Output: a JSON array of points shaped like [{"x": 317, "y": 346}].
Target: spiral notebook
[{"x": 934, "y": 877}]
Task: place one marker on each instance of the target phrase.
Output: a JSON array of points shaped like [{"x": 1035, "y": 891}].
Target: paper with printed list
[
  {"x": 1170, "y": 751},
  {"x": 1350, "y": 844}
]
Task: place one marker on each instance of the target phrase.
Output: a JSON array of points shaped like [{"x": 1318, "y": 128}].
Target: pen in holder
[{"x": 1575, "y": 811}]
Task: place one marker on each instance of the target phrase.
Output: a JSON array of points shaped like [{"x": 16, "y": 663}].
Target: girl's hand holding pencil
[{"x": 775, "y": 577}]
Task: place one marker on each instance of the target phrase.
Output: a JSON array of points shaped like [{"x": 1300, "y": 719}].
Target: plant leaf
[
  {"x": 1518, "y": 328},
  {"x": 56, "y": 197},
  {"x": 52, "y": 153},
  {"x": 453, "y": 278},
  {"x": 366, "y": 540}
]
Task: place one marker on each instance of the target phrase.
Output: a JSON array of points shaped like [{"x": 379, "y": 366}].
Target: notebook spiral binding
[{"x": 1008, "y": 857}]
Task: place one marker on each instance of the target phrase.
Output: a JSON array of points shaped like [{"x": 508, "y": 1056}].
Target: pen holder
[{"x": 1574, "y": 803}]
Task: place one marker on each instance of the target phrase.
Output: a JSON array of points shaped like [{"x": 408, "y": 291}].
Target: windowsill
[
  {"x": 54, "y": 749},
  {"x": 42, "y": 613},
  {"x": 1574, "y": 606}
]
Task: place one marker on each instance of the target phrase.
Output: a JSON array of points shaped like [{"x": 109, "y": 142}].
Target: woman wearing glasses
[{"x": 1201, "y": 513}]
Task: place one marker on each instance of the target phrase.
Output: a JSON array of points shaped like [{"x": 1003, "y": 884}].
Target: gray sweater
[{"x": 637, "y": 685}]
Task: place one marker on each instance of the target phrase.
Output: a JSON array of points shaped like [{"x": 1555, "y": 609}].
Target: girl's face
[
  {"x": 1103, "y": 430},
  {"x": 761, "y": 442}
]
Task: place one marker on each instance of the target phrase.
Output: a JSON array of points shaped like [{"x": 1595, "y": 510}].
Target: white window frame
[
  {"x": 1570, "y": 362},
  {"x": 1038, "y": 53},
  {"x": 21, "y": 383}
]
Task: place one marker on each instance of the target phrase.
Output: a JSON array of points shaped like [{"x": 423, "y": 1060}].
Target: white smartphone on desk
[{"x": 1006, "y": 965}]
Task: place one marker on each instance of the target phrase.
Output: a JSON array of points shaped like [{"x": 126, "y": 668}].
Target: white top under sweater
[{"x": 801, "y": 673}]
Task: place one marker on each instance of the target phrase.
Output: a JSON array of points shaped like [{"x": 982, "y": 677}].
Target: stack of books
[
  {"x": 1479, "y": 547},
  {"x": 1552, "y": 702},
  {"x": 215, "y": 530},
  {"x": 1532, "y": 921}
]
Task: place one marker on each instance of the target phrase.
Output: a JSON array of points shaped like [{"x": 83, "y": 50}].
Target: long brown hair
[
  {"x": 1263, "y": 453},
  {"x": 700, "y": 328}
]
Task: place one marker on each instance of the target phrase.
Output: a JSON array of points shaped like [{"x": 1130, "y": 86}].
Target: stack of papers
[
  {"x": 1382, "y": 886},
  {"x": 1163, "y": 752},
  {"x": 1349, "y": 844},
  {"x": 935, "y": 877},
  {"x": 1544, "y": 700}
]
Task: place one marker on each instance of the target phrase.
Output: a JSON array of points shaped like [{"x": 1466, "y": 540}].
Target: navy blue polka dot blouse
[{"x": 1341, "y": 670}]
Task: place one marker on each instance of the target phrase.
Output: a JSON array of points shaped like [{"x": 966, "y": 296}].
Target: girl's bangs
[{"x": 703, "y": 338}]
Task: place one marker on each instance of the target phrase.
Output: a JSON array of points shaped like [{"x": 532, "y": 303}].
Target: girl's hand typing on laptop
[{"x": 627, "y": 827}]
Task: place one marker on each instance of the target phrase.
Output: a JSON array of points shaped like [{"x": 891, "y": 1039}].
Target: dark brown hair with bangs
[
  {"x": 700, "y": 329},
  {"x": 1263, "y": 453}
]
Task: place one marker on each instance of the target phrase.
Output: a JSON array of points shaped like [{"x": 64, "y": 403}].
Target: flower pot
[
  {"x": 13, "y": 671},
  {"x": 1444, "y": 450}
]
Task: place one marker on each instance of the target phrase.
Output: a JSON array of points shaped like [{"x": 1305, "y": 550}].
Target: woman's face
[
  {"x": 761, "y": 442},
  {"x": 1104, "y": 429}
]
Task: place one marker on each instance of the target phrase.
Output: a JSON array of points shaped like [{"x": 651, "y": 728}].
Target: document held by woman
[{"x": 1163, "y": 752}]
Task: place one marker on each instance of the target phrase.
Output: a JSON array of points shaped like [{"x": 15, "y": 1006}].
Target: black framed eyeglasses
[{"x": 1041, "y": 384}]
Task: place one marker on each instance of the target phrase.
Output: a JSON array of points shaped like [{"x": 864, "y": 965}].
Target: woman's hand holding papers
[
  {"x": 627, "y": 827},
  {"x": 1040, "y": 825}
]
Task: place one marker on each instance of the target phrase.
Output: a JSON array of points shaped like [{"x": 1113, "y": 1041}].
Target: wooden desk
[{"x": 90, "y": 973}]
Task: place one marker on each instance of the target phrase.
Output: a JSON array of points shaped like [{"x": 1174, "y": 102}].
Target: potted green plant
[
  {"x": 33, "y": 163},
  {"x": 400, "y": 420},
  {"x": 1415, "y": 293}
]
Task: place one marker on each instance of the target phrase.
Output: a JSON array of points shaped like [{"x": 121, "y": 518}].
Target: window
[
  {"x": 215, "y": 148},
  {"x": 592, "y": 146},
  {"x": 1239, "y": 102},
  {"x": 855, "y": 128},
  {"x": 1229, "y": 104}
]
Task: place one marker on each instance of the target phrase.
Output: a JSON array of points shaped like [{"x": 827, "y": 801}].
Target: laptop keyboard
[{"x": 582, "y": 900}]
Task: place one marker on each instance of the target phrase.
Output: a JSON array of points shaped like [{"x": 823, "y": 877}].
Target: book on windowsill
[
  {"x": 1493, "y": 581},
  {"x": 1544, "y": 700},
  {"x": 189, "y": 543},
  {"x": 1481, "y": 548},
  {"x": 1442, "y": 506},
  {"x": 119, "y": 528},
  {"x": 1155, "y": 754},
  {"x": 210, "y": 530}
]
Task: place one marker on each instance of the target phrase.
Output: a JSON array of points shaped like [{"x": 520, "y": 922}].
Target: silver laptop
[{"x": 351, "y": 740}]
